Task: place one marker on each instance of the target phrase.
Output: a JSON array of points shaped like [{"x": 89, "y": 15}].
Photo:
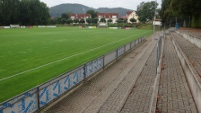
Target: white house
[
  {"x": 131, "y": 14},
  {"x": 80, "y": 16},
  {"x": 108, "y": 16},
  {"x": 157, "y": 22}
]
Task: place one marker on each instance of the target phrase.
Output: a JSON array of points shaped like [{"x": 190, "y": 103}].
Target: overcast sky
[{"x": 129, "y": 4}]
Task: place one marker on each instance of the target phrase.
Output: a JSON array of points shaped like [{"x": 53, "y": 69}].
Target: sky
[{"x": 129, "y": 4}]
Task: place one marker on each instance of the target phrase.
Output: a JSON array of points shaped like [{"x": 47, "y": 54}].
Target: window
[{"x": 114, "y": 16}]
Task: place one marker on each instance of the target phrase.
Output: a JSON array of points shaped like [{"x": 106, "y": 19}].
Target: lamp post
[
  {"x": 91, "y": 21},
  {"x": 123, "y": 23},
  {"x": 154, "y": 17}
]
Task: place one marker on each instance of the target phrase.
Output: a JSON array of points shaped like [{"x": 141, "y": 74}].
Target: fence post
[
  {"x": 125, "y": 49},
  {"x": 134, "y": 43},
  {"x": 138, "y": 40},
  {"x": 130, "y": 45},
  {"x": 38, "y": 95},
  {"x": 117, "y": 53},
  {"x": 85, "y": 71},
  {"x": 157, "y": 57},
  {"x": 103, "y": 61}
]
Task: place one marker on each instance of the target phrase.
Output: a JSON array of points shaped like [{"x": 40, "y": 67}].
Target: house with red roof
[
  {"x": 108, "y": 16},
  {"x": 80, "y": 16}
]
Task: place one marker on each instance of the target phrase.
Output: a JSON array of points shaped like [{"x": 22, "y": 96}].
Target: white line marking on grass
[{"x": 62, "y": 59}]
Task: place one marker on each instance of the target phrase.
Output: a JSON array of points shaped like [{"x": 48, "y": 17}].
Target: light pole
[
  {"x": 123, "y": 23},
  {"x": 154, "y": 17}
]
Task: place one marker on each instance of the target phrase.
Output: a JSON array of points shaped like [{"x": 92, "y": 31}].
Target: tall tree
[
  {"x": 92, "y": 13},
  {"x": 102, "y": 20},
  {"x": 82, "y": 21},
  {"x": 165, "y": 12},
  {"x": 44, "y": 16},
  {"x": 89, "y": 20},
  {"x": 75, "y": 20},
  {"x": 182, "y": 9},
  {"x": 25, "y": 12},
  {"x": 63, "y": 20},
  {"x": 95, "y": 20},
  {"x": 59, "y": 20},
  {"x": 1, "y": 12},
  {"x": 147, "y": 11},
  {"x": 65, "y": 15},
  {"x": 53, "y": 21},
  {"x": 9, "y": 12},
  {"x": 69, "y": 21}
]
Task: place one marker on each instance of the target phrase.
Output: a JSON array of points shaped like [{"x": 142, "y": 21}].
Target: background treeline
[
  {"x": 23, "y": 12},
  {"x": 185, "y": 12}
]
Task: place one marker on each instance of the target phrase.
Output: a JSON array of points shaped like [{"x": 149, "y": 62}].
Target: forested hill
[
  {"x": 121, "y": 11},
  {"x": 56, "y": 11}
]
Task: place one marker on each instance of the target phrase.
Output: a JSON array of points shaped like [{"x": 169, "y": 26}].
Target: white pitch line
[{"x": 60, "y": 60}]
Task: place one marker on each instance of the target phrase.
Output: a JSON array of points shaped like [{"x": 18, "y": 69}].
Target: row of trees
[
  {"x": 34, "y": 12},
  {"x": 65, "y": 19},
  {"x": 23, "y": 12},
  {"x": 61, "y": 20},
  {"x": 69, "y": 21},
  {"x": 188, "y": 10}
]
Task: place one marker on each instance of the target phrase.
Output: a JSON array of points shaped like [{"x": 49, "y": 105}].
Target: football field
[{"x": 30, "y": 57}]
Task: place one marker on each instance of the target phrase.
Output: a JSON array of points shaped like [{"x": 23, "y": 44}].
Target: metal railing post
[
  {"x": 85, "y": 71},
  {"x": 38, "y": 99}
]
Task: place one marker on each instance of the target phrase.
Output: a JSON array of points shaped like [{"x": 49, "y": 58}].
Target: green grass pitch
[{"x": 30, "y": 57}]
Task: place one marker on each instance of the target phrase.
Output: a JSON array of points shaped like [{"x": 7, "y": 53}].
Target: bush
[
  {"x": 121, "y": 25},
  {"x": 144, "y": 26}
]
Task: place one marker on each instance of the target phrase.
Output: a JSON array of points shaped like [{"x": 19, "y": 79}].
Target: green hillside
[{"x": 56, "y": 11}]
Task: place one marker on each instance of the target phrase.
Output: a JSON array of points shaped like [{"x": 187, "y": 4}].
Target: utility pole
[
  {"x": 154, "y": 18},
  {"x": 123, "y": 23}
]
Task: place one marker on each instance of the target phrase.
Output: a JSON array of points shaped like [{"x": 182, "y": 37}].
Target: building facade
[
  {"x": 80, "y": 16},
  {"x": 132, "y": 14},
  {"x": 108, "y": 16}
]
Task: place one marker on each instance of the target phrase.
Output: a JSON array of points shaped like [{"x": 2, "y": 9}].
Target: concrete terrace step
[
  {"x": 140, "y": 97},
  {"x": 192, "y": 52},
  {"x": 193, "y": 32},
  {"x": 112, "y": 84},
  {"x": 190, "y": 57},
  {"x": 174, "y": 93},
  {"x": 117, "y": 99}
]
